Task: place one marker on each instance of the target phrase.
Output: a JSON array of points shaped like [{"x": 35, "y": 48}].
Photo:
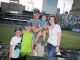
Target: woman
[{"x": 54, "y": 37}]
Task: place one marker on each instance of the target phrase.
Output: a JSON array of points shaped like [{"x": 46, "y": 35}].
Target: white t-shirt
[
  {"x": 53, "y": 37},
  {"x": 14, "y": 41}
]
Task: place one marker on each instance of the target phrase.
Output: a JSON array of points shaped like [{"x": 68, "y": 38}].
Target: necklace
[{"x": 52, "y": 26}]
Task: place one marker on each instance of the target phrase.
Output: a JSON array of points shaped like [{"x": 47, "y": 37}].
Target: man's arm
[
  {"x": 35, "y": 29},
  {"x": 32, "y": 48}
]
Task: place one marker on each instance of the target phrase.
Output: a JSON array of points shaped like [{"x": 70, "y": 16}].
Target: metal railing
[
  {"x": 4, "y": 51},
  {"x": 67, "y": 54}
]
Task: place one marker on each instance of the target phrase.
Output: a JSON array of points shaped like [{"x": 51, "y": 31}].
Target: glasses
[{"x": 51, "y": 19}]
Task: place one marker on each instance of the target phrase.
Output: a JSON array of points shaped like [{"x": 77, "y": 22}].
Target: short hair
[
  {"x": 28, "y": 24},
  {"x": 18, "y": 29},
  {"x": 55, "y": 21},
  {"x": 36, "y": 11}
]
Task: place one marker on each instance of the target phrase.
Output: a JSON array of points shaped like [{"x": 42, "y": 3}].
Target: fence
[
  {"x": 66, "y": 54},
  {"x": 4, "y": 51}
]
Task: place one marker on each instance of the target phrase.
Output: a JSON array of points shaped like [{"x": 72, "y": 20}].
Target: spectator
[{"x": 14, "y": 45}]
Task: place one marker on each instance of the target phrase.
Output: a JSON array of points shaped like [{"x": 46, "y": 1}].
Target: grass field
[{"x": 69, "y": 39}]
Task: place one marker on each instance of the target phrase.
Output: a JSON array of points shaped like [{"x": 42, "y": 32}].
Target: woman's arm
[
  {"x": 58, "y": 42},
  {"x": 59, "y": 38}
]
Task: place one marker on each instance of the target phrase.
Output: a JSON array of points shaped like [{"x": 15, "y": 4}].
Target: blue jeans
[{"x": 51, "y": 50}]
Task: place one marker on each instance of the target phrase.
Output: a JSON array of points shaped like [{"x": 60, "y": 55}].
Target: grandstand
[{"x": 12, "y": 21}]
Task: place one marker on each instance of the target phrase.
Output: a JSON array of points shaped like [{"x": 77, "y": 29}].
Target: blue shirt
[{"x": 41, "y": 23}]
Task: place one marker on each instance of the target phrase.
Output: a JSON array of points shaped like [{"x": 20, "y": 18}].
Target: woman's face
[
  {"x": 52, "y": 21},
  {"x": 18, "y": 33}
]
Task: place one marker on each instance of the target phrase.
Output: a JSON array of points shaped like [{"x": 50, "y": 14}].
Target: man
[{"x": 35, "y": 28}]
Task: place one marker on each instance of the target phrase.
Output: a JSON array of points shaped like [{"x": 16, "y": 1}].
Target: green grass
[
  {"x": 6, "y": 33},
  {"x": 69, "y": 39}
]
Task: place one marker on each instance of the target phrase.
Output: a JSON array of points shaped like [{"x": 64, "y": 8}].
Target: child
[
  {"x": 43, "y": 24},
  {"x": 26, "y": 45},
  {"x": 14, "y": 52}
]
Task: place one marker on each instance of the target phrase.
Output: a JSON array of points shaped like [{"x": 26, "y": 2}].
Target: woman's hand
[{"x": 57, "y": 49}]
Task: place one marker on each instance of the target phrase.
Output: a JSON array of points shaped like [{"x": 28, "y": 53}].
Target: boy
[
  {"x": 26, "y": 45},
  {"x": 14, "y": 45}
]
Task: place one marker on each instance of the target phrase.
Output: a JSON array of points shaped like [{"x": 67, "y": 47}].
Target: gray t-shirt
[{"x": 36, "y": 24}]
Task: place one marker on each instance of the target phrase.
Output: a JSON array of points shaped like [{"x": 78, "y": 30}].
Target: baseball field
[{"x": 69, "y": 39}]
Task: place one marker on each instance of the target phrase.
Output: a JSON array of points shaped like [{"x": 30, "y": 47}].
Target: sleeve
[
  {"x": 33, "y": 23},
  {"x": 30, "y": 20},
  {"x": 12, "y": 41},
  {"x": 40, "y": 23},
  {"x": 47, "y": 22},
  {"x": 58, "y": 28}
]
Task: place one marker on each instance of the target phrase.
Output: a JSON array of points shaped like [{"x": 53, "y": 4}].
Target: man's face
[{"x": 36, "y": 15}]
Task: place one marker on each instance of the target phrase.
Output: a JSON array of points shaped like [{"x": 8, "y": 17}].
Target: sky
[{"x": 64, "y": 5}]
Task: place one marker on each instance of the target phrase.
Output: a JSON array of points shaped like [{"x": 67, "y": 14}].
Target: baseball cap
[
  {"x": 36, "y": 11},
  {"x": 18, "y": 29},
  {"x": 28, "y": 24}
]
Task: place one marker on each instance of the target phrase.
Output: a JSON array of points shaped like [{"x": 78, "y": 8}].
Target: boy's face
[
  {"x": 28, "y": 27},
  {"x": 44, "y": 17},
  {"x": 18, "y": 33}
]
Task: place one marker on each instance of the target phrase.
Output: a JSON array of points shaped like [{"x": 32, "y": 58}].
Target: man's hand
[{"x": 34, "y": 46}]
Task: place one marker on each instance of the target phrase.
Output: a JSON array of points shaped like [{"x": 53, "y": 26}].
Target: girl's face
[
  {"x": 18, "y": 33},
  {"x": 52, "y": 22},
  {"x": 44, "y": 18}
]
